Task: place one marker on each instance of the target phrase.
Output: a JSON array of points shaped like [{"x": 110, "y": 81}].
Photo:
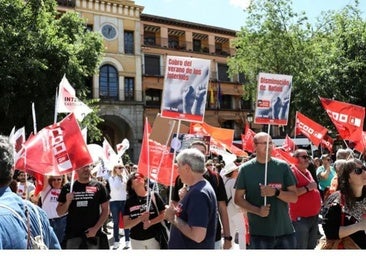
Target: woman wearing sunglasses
[
  {"x": 117, "y": 184},
  {"x": 48, "y": 201},
  {"x": 344, "y": 212},
  {"x": 142, "y": 215}
]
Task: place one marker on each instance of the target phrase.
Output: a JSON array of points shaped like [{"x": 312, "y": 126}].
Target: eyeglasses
[
  {"x": 264, "y": 143},
  {"x": 304, "y": 157},
  {"x": 359, "y": 171}
]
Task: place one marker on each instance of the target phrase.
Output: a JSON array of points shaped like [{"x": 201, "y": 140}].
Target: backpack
[{"x": 33, "y": 243}]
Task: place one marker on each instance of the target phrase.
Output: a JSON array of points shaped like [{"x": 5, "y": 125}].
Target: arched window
[{"x": 108, "y": 82}]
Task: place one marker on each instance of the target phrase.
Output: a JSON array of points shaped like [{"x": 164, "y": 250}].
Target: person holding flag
[
  {"x": 87, "y": 204},
  {"x": 264, "y": 188}
]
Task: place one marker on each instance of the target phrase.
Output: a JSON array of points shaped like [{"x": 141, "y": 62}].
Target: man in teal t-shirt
[{"x": 270, "y": 225}]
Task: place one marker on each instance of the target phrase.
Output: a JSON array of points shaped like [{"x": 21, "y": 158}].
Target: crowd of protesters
[{"x": 258, "y": 202}]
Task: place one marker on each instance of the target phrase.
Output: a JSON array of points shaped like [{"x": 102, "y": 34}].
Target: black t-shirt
[
  {"x": 217, "y": 184},
  {"x": 136, "y": 205},
  {"x": 84, "y": 210}
]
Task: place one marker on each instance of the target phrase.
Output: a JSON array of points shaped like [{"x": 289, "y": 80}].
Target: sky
[{"x": 230, "y": 14}]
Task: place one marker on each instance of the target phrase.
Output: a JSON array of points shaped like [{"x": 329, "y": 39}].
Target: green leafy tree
[
  {"x": 37, "y": 47},
  {"x": 339, "y": 47},
  {"x": 272, "y": 41},
  {"x": 325, "y": 60}
]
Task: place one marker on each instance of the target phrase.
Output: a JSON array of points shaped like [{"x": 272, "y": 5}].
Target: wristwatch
[{"x": 229, "y": 238}]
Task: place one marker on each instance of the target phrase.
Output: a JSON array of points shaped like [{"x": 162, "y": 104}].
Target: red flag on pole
[
  {"x": 327, "y": 142},
  {"x": 220, "y": 134},
  {"x": 55, "y": 150},
  {"x": 155, "y": 159},
  {"x": 312, "y": 130},
  {"x": 281, "y": 154},
  {"x": 361, "y": 144},
  {"x": 247, "y": 140},
  {"x": 347, "y": 118},
  {"x": 288, "y": 144}
]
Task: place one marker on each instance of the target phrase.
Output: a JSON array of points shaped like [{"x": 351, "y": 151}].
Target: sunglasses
[
  {"x": 120, "y": 167},
  {"x": 58, "y": 179},
  {"x": 264, "y": 143},
  {"x": 138, "y": 176},
  {"x": 304, "y": 157},
  {"x": 359, "y": 171}
]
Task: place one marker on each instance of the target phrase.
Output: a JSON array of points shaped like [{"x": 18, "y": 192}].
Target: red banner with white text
[
  {"x": 311, "y": 129},
  {"x": 56, "y": 150},
  {"x": 347, "y": 118}
]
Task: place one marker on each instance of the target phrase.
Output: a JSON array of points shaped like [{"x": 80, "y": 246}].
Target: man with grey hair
[
  {"x": 194, "y": 218},
  {"x": 13, "y": 210}
]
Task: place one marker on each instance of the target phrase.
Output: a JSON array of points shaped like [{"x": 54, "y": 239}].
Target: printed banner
[
  {"x": 273, "y": 99},
  {"x": 185, "y": 88}
]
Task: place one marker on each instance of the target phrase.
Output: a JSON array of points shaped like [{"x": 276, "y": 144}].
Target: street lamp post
[{"x": 250, "y": 119}]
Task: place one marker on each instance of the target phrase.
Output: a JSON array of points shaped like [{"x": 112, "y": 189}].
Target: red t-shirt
[{"x": 307, "y": 204}]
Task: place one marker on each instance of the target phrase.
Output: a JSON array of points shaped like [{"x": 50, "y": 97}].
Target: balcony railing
[{"x": 159, "y": 42}]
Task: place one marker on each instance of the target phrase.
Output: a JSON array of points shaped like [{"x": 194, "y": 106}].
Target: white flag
[
  {"x": 108, "y": 151},
  {"x": 17, "y": 139},
  {"x": 69, "y": 103},
  {"x": 122, "y": 147}
]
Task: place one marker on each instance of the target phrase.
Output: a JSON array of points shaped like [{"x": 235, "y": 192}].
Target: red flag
[
  {"x": 56, "y": 150},
  {"x": 156, "y": 160},
  {"x": 39, "y": 182},
  {"x": 220, "y": 134},
  {"x": 247, "y": 140},
  {"x": 288, "y": 144},
  {"x": 327, "y": 142},
  {"x": 347, "y": 118},
  {"x": 312, "y": 130},
  {"x": 361, "y": 144},
  {"x": 281, "y": 154},
  {"x": 237, "y": 151}
]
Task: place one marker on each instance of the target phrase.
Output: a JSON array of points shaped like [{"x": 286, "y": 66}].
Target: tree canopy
[
  {"x": 38, "y": 46},
  {"x": 326, "y": 59}
]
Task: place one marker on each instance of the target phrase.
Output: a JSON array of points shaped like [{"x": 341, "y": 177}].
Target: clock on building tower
[{"x": 108, "y": 31}]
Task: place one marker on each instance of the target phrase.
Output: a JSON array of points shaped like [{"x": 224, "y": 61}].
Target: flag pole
[
  {"x": 34, "y": 119},
  {"x": 161, "y": 161},
  {"x": 172, "y": 170},
  {"x": 148, "y": 164},
  {"x": 266, "y": 165},
  {"x": 56, "y": 106}
]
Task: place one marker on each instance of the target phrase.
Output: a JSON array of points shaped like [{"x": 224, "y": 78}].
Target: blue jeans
[
  {"x": 306, "y": 232},
  {"x": 273, "y": 242},
  {"x": 118, "y": 207},
  {"x": 59, "y": 225}
]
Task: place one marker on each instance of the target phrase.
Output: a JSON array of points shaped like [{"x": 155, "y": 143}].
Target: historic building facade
[{"x": 130, "y": 80}]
